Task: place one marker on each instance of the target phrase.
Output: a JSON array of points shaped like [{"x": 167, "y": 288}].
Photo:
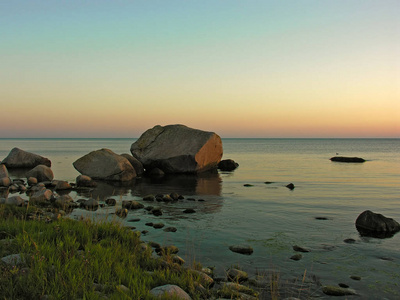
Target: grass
[{"x": 69, "y": 259}]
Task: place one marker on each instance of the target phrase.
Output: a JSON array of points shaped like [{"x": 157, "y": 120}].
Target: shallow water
[{"x": 269, "y": 217}]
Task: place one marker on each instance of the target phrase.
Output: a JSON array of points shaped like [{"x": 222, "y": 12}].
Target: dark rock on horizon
[
  {"x": 178, "y": 149},
  {"x": 227, "y": 165},
  {"x": 104, "y": 164},
  {"x": 290, "y": 186},
  {"x": 18, "y": 158},
  {"x": 347, "y": 159},
  {"x": 41, "y": 173},
  {"x": 372, "y": 224}
]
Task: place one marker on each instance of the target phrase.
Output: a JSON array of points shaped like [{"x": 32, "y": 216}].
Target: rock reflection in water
[{"x": 207, "y": 183}]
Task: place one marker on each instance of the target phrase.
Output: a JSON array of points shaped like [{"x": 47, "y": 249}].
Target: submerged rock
[
  {"x": 242, "y": 249},
  {"x": 178, "y": 149},
  {"x": 337, "y": 291},
  {"x": 372, "y": 224},
  {"x": 347, "y": 159},
  {"x": 18, "y": 158}
]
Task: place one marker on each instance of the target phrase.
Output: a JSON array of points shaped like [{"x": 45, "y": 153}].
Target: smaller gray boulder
[
  {"x": 242, "y": 249},
  {"x": 18, "y": 158},
  {"x": 41, "y": 173}
]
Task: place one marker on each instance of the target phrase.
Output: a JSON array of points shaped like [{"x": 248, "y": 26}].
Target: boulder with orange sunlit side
[{"x": 178, "y": 149}]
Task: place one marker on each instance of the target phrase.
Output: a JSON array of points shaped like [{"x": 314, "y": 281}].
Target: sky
[{"x": 304, "y": 68}]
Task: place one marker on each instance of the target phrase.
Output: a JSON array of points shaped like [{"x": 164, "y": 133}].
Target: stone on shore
[
  {"x": 85, "y": 181},
  {"x": 41, "y": 173},
  {"x": 178, "y": 149},
  {"x": 337, "y": 291},
  {"x": 347, "y": 159},
  {"x": 5, "y": 180},
  {"x": 170, "y": 291},
  {"x": 227, "y": 165},
  {"x": 242, "y": 249},
  {"x": 137, "y": 165},
  {"x": 372, "y": 224},
  {"x": 15, "y": 200},
  {"x": 104, "y": 164},
  {"x": 18, "y": 158},
  {"x": 42, "y": 196},
  {"x": 63, "y": 201},
  {"x": 236, "y": 275}
]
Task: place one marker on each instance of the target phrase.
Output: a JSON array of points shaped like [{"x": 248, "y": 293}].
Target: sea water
[{"x": 253, "y": 206}]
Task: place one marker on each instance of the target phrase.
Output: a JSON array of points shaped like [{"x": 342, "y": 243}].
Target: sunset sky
[{"x": 238, "y": 68}]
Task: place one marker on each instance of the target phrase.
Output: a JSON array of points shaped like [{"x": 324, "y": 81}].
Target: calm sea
[{"x": 318, "y": 214}]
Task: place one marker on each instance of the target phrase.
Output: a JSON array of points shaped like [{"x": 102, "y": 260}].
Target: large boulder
[
  {"x": 104, "y": 164},
  {"x": 18, "y": 158},
  {"x": 178, "y": 149},
  {"x": 41, "y": 173},
  {"x": 372, "y": 224}
]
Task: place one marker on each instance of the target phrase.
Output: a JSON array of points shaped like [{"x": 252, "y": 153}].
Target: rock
[
  {"x": 227, "y": 165},
  {"x": 156, "y": 211},
  {"x": 290, "y": 186},
  {"x": 178, "y": 260},
  {"x": 111, "y": 202},
  {"x": 32, "y": 181},
  {"x": 242, "y": 249},
  {"x": 122, "y": 288},
  {"x": 91, "y": 204},
  {"x": 354, "y": 277},
  {"x": 300, "y": 249},
  {"x": 134, "y": 220},
  {"x": 167, "y": 198},
  {"x": 376, "y": 225},
  {"x": 248, "y": 185},
  {"x": 63, "y": 201},
  {"x": 105, "y": 165},
  {"x": 174, "y": 196},
  {"x": 349, "y": 241},
  {"x": 149, "y": 198},
  {"x": 158, "y": 225},
  {"x": 236, "y": 275},
  {"x": 178, "y": 149},
  {"x": 85, "y": 181},
  {"x": 132, "y": 204},
  {"x": 296, "y": 257},
  {"x": 347, "y": 159},
  {"x": 13, "y": 260},
  {"x": 62, "y": 185},
  {"x": 189, "y": 211},
  {"x": 42, "y": 196},
  {"x": 122, "y": 212},
  {"x": 18, "y": 158},
  {"x": 337, "y": 291},
  {"x": 137, "y": 165},
  {"x": 204, "y": 278},
  {"x": 41, "y": 173},
  {"x": 170, "y": 229},
  {"x": 5, "y": 182},
  {"x": 15, "y": 200},
  {"x": 169, "y": 291}
]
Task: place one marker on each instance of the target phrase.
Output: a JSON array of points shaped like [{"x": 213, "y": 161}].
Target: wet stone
[
  {"x": 296, "y": 257},
  {"x": 349, "y": 241},
  {"x": 189, "y": 211},
  {"x": 170, "y": 229}
]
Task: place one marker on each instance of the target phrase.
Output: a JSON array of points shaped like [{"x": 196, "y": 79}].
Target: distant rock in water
[
  {"x": 347, "y": 159},
  {"x": 290, "y": 186},
  {"x": 178, "y": 149},
  {"x": 227, "y": 165},
  {"x": 104, "y": 164},
  {"x": 18, "y": 158},
  {"x": 372, "y": 224}
]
